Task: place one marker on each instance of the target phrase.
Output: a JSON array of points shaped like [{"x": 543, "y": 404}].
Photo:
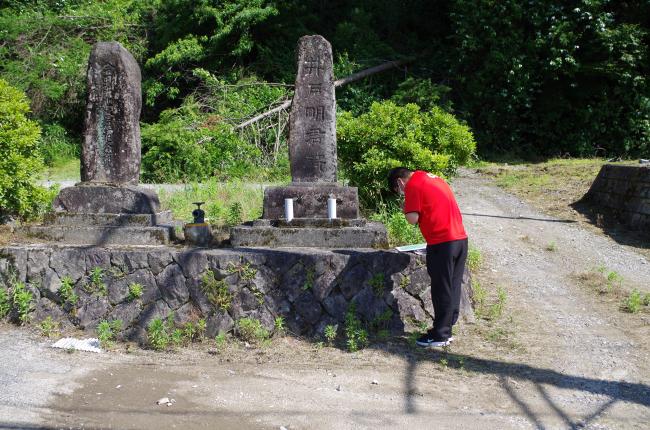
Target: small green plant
[
  {"x": 330, "y": 332},
  {"x": 135, "y": 291},
  {"x": 405, "y": 282},
  {"x": 496, "y": 309},
  {"x": 479, "y": 296},
  {"x": 356, "y": 337},
  {"x": 201, "y": 327},
  {"x": 95, "y": 283},
  {"x": 160, "y": 333},
  {"x": 244, "y": 270},
  {"x": 48, "y": 327},
  {"x": 22, "y": 302},
  {"x": 220, "y": 340},
  {"x": 646, "y": 300},
  {"x": 5, "y": 303},
  {"x": 377, "y": 284},
  {"x": 444, "y": 362},
  {"x": 216, "y": 291},
  {"x": 66, "y": 291},
  {"x": 474, "y": 259},
  {"x": 552, "y": 247},
  {"x": 235, "y": 214},
  {"x": 177, "y": 337},
  {"x": 381, "y": 321},
  {"x": 613, "y": 280},
  {"x": 189, "y": 332},
  {"x": 107, "y": 332},
  {"x": 279, "y": 325},
  {"x": 633, "y": 302},
  {"x": 310, "y": 275},
  {"x": 251, "y": 330}
]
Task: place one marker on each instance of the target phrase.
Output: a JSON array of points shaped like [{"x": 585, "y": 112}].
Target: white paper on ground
[
  {"x": 90, "y": 345},
  {"x": 411, "y": 248}
]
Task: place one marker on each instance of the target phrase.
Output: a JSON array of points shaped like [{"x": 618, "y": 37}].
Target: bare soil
[{"x": 561, "y": 354}]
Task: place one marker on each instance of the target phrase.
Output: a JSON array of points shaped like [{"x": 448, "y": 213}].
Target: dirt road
[{"x": 562, "y": 356}]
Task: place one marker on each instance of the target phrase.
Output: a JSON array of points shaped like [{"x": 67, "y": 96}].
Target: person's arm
[{"x": 412, "y": 217}]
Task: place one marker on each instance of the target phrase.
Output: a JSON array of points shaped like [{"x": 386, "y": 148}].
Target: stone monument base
[
  {"x": 94, "y": 198},
  {"x": 310, "y": 232},
  {"x": 104, "y": 229},
  {"x": 310, "y": 200}
]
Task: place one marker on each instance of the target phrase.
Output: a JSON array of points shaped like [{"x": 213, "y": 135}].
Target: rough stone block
[
  {"x": 310, "y": 201},
  {"x": 107, "y": 199}
]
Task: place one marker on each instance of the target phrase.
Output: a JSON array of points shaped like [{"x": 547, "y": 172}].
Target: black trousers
[{"x": 446, "y": 264}]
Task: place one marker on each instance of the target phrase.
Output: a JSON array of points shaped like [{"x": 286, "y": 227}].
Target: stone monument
[
  {"x": 312, "y": 155},
  {"x": 107, "y": 206}
]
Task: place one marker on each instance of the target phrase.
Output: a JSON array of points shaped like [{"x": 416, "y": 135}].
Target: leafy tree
[{"x": 19, "y": 156}]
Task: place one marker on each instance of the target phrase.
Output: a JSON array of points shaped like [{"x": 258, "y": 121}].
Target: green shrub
[
  {"x": 389, "y": 136},
  {"x": 251, "y": 330},
  {"x": 633, "y": 302},
  {"x": 356, "y": 337},
  {"x": 48, "y": 327},
  {"x": 400, "y": 232},
  {"x": 161, "y": 332},
  {"x": 331, "y": 331},
  {"x": 20, "y": 158},
  {"x": 107, "y": 332}
]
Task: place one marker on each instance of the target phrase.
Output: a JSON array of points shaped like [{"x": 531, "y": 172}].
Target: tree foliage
[{"x": 19, "y": 156}]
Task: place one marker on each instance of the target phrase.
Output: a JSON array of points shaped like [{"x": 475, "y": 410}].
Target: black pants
[{"x": 446, "y": 264}]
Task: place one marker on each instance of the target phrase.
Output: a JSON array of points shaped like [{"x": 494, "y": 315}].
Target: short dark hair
[{"x": 395, "y": 174}]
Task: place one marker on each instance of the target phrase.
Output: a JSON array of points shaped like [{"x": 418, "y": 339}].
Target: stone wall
[
  {"x": 624, "y": 192},
  {"x": 310, "y": 288}
]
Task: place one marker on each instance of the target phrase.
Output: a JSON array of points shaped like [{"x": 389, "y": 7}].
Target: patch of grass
[
  {"x": 603, "y": 280},
  {"x": 216, "y": 291},
  {"x": 107, "y": 332},
  {"x": 159, "y": 333},
  {"x": 474, "y": 259},
  {"x": 220, "y": 340},
  {"x": 551, "y": 246},
  {"x": 66, "y": 291},
  {"x": 64, "y": 170},
  {"x": 279, "y": 325},
  {"x": 251, "y": 330},
  {"x": 49, "y": 327},
  {"x": 218, "y": 196},
  {"x": 400, "y": 232},
  {"x": 244, "y": 270},
  {"x": 135, "y": 291},
  {"x": 634, "y": 302}
]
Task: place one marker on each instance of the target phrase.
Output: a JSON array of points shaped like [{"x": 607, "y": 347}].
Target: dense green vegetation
[{"x": 529, "y": 79}]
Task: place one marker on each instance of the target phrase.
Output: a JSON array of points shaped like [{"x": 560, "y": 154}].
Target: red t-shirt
[{"x": 430, "y": 196}]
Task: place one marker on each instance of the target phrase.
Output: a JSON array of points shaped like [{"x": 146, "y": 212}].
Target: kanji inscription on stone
[
  {"x": 111, "y": 147},
  {"x": 312, "y": 132}
]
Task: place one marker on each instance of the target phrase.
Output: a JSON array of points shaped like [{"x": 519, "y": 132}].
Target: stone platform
[
  {"x": 97, "y": 198},
  {"x": 310, "y": 200},
  {"x": 104, "y": 229},
  {"x": 309, "y": 232},
  {"x": 309, "y": 288}
]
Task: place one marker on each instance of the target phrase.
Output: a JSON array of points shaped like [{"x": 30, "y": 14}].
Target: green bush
[
  {"x": 389, "y": 136},
  {"x": 186, "y": 145},
  {"x": 20, "y": 158},
  {"x": 251, "y": 330}
]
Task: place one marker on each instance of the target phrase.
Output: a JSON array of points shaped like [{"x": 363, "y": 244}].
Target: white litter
[
  {"x": 165, "y": 401},
  {"x": 89, "y": 345}
]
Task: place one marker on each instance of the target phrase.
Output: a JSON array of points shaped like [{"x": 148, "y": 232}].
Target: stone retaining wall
[
  {"x": 623, "y": 191},
  {"x": 310, "y": 288}
]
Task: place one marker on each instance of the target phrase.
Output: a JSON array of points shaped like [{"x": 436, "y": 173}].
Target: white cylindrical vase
[
  {"x": 331, "y": 208},
  {"x": 288, "y": 209}
]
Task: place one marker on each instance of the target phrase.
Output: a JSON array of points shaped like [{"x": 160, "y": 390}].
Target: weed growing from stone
[
  {"x": 405, "y": 282},
  {"x": 177, "y": 337},
  {"x": 216, "y": 291},
  {"x": 552, "y": 247},
  {"x": 235, "y": 214},
  {"x": 95, "y": 283},
  {"x": 159, "y": 333},
  {"x": 251, "y": 330},
  {"x": 48, "y": 327},
  {"x": 633, "y": 302},
  {"x": 244, "y": 270},
  {"x": 279, "y": 325},
  {"x": 309, "y": 279},
  {"x": 474, "y": 259},
  {"x": 330, "y": 333},
  {"x": 5, "y": 303},
  {"x": 381, "y": 321},
  {"x": 356, "y": 337},
  {"x": 259, "y": 295},
  {"x": 107, "y": 332},
  {"x": 189, "y": 332},
  {"x": 377, "y": 284},
  {"x": 22, "y": 302},
  {"x": 135, "y": 291},
  {"x": 66, "y": 291}
]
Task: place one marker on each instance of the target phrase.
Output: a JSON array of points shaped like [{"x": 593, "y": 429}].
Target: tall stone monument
[
  {"x": 107, "y": 206},
  {"x": 312, "y": 155}
]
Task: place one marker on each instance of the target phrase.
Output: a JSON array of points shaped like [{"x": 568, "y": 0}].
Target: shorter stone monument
[
  {"x": 300, "y": 214},
  {"x": 108, "y": 206}
]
